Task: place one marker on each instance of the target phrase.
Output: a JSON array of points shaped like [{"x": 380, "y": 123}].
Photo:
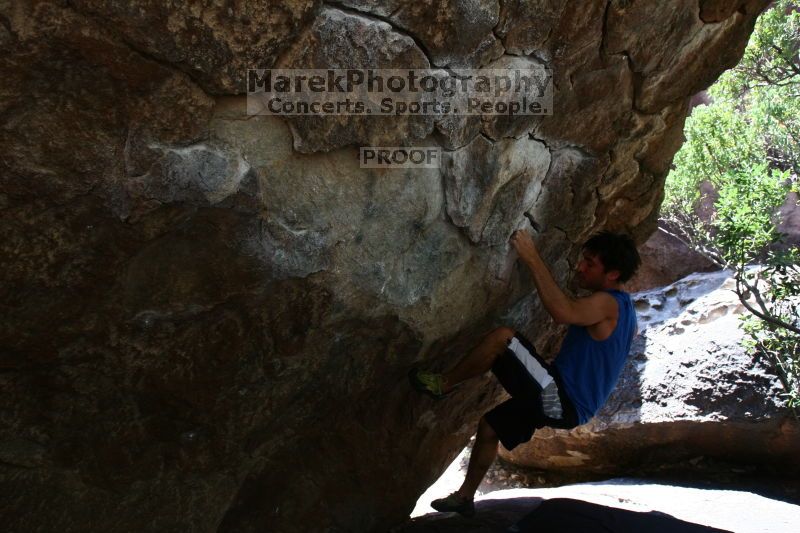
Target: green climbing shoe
[{"x": 427, "y": 383}]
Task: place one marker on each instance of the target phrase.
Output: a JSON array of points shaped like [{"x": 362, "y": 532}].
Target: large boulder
[
  {"x": 207, "y": 317},
  {"x": 689, "y": 389},
  {"x": 665, "y": 260}
]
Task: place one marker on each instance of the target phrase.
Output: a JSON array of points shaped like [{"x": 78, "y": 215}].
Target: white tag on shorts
[{"x": 534, "y": 368}]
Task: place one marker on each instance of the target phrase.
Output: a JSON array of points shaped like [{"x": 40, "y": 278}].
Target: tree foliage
[{"x": 746, "y": 145}]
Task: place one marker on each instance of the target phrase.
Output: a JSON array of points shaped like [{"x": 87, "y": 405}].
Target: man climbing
[{"x": 571, "y": 390}]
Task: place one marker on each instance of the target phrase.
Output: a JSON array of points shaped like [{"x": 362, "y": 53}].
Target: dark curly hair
[{"x": 616, "y": 251}]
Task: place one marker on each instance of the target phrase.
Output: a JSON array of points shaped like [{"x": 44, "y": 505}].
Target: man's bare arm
[{"x": 564, "y": 310}]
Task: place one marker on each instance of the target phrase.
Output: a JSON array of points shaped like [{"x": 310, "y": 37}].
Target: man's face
[{"x": 592, "y": 274}]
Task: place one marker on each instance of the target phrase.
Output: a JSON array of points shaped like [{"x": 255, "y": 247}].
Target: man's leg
[
  {"x": 483, "y": 453},
  {"x": 480, "y": 359}
]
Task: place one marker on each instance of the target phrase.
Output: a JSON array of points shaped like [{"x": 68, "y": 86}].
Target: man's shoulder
[
  {"x": 605, "y": 294},
  {"x": 618, "y": 295},
  {"x": 603, "y": 298}
]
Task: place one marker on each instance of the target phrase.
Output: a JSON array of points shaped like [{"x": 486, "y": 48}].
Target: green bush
[{"x": 746, "y": 144}]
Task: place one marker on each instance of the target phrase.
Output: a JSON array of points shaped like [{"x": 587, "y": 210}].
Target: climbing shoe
[
  {"x": 427, "y": 383},
  {"x": 455, "y": 504}
]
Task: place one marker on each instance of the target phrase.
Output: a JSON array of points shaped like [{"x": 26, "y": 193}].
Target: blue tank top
[{"x": 589, "y": 369}]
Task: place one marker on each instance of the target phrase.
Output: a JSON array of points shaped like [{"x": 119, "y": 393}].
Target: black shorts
[{"x": 521, "y": 370}]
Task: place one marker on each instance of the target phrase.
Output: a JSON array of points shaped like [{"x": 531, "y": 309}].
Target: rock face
[
  {"x": 207, "y": 317},
  {"x": 665, "y": 260},
  {"x": 689, "y": 389}
]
